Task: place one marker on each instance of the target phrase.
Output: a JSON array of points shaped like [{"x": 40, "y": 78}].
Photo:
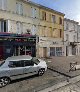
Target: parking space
[{"x": 33, "y": 83}]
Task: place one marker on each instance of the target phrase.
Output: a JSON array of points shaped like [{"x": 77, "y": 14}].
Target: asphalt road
[{"x": 33, "y": 83}]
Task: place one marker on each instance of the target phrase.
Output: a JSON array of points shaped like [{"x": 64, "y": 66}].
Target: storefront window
[
  {"x": 58, "y": 51},
  {"x": 52, "y": 51}
]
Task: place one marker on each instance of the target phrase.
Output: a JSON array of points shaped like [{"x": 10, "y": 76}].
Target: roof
[
  {"x": 21, "y": 57},
  {"x": 43, "y": 7},
  {"x": 65, "y": 19}
]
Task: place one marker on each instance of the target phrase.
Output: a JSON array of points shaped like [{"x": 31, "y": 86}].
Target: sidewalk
[{"x": 62, "y": 65}]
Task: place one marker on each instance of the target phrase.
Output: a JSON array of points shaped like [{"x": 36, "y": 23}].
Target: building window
[
  {"x": 60, "y": 20},
  {"x": 55, "y": 51},
  {"x": 3, "y": 26},
  {"x": 67, "y": 37},
  {"x": 52, "y": 51},
  {"x": 19, "y": 8},
  {"x": 53, "y": 18},
  {"x": 60, "y": 33},
  {"x": 50, "y": 17},
  {"x": 58, "y": 51},
  {"x": 3, "y": 4},
  {"x": 33, "y": 12},
  {"x": 43, "y": 15},
  {"x": 67, "y": 26},
  {"x": 19, "y": 27},
  {"x": 34, "y": 30}
]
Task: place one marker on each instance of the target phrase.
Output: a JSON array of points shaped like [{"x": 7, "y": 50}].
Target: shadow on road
[{"x": 25, "y": 78}]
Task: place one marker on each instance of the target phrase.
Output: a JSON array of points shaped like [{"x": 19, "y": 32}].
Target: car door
[
  {"x": 16, "y": 69},
  {"x": 30, "y": 67}
]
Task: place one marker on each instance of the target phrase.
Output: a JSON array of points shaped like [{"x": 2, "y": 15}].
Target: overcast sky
[{"x": 71, "y": 8}]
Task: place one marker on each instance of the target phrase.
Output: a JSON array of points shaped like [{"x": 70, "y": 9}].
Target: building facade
[
  {"x": 25, "y": 17},
  {"x": 78, "y": 40},
  {"x": 51, "y": 26},
  {"x": 70, "y": 37}
]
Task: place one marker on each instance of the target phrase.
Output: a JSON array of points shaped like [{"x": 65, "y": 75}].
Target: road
[
  {"x": 33, "y": 83},
  {"x": 75, "y": 87}
]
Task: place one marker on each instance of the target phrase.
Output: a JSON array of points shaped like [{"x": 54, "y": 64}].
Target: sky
[{"x": 71, "y": 8}]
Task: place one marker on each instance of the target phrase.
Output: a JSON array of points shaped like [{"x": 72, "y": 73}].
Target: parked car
[{"x": 16, "y": 67}]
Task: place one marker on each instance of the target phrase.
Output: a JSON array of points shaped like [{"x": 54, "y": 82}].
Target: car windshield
[
  {"x": 35, "y": 60},
  {"x": 2, "y": 62}
]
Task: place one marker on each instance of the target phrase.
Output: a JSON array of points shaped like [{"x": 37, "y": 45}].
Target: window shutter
[{"x": 21, "y": 9}]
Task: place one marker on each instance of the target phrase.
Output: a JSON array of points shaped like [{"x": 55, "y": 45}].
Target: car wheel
[
  {"x": 4, "y": 81},
  {"x": 41, "y": 72}
]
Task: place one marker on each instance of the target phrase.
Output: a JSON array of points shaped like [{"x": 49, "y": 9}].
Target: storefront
[
  {"x": 49, "y": 47},
  {"x": 14, "y": 45},
  {"x": 55, "y": 51}
]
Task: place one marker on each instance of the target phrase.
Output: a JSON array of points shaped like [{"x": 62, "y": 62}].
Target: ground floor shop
[
  {"x": 50, "y": 51},
  {"x": 49, "y": 47},
  {"x": 17, "y": 45}
]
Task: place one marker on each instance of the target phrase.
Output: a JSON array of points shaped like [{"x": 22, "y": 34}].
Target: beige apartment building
[{"x": 25, "y": 17}]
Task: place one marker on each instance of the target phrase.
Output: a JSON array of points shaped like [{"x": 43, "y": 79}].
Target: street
[
  {"x": 33, "y": 83},
  {"x": 69, "y": 88}
]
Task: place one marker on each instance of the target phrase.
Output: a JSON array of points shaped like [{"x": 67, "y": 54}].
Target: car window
[
  {"x": 16, "y": 64},
  {"x": 28, "y": 63},
  {"x": 2, "y": 63},
  {"x": 35, "y": 60}
]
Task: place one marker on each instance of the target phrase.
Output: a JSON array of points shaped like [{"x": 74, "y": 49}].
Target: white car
[{"x": 16, "y": 67}]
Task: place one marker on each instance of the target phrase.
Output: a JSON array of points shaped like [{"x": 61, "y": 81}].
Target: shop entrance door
[{"x": 44, "y": 51}]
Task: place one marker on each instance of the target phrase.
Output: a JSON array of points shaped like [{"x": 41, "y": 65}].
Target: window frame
[
  {"x": 60, "y": 21},
  {"x": 19, "y": 8},
  {"x": 53, "y": 18},
  {"x": 14, "y": 66}
]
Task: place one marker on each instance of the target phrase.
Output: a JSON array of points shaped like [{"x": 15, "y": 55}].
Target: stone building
[
  {"x": 24, "y": 17},
  {"x": 70, "y": 37}
]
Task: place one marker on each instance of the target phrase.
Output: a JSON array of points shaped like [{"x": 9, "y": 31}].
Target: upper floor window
[
  {"x": 67, "y": 26},
  {"x": 33, "y": 12},
  {"x": 19, "y": 8},
  {"x": 43, "y": 15},
  {"x": 34, "y": 30},
  {"x": 50, "y": 17},
  {"x": 19, "y": 27},
  {"x": 3, "y": 4},
  {"x": 67, "y": 37},
  {"x": 60, "y": 33},
  {"x": 60, "y": 20},
  {"x": 53, "y": 18}
]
